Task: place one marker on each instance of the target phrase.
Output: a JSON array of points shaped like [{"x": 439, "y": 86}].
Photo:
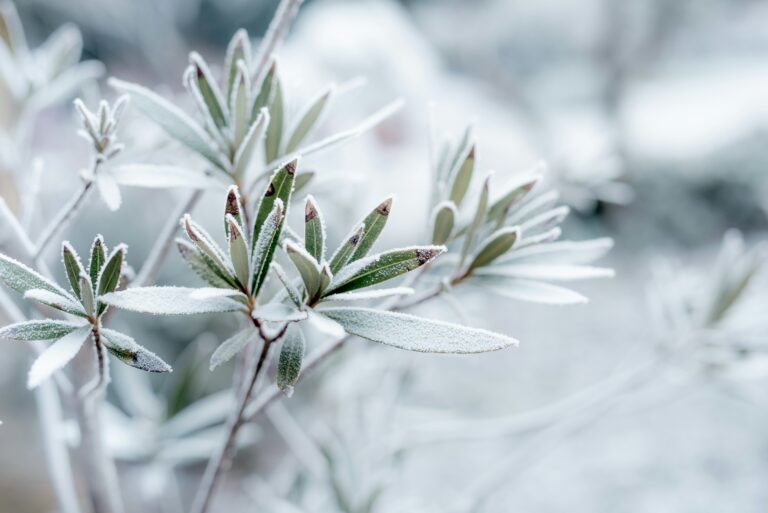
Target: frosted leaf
[
  {"x": 527, "y": 290},
  {"x": 548, "y": 272},
  {"x": 309, "y": 118},
  {"x": 373, "y": 226},
  {"x": 443, "y": 220},
  {"x": 127, "y": 350},
  {"x": 253, "y": 137},
  {"x": 415, "y": 333},
  {"x": 264, "y": 247},
  {"x": 325, "y": 325},
  {"x": 477, "y": 220},
  {"x": 158, "y": 176},
  {"x": 562, "y": 252},
  {"x": 38, "y": 330},
  {"x": 109, "y": 277},
  {"x": 279, "y": 312},
  {"x": 280, "y": 188},
  {"x": 463, "y": 176},
  {"x": 545, "y": 220},
  {"x": 208, "y": 411},
  {"x": 497, "y": 244},
  {"x": 370, "y": 294},
  {"x": 308, "y": 268},
  {"x": 516, "y": 191},
  {"x": 21, "y": 278},
  {"x": 291, "y": 358},
  {"x": 97, "y": 259},
  {"x": 314, "y": 230},
  {"x": 344, "y": 252},
  {"x": 168, "y": 301},
  {"x": 57, "y": 356},
  {"x": 291, "y": 290},
  {"x": 214, "y": 292},
  {"x": 109, "y": 190},
  {"x": 55, "y": 301},
  {"x": 233, "y": 345}
]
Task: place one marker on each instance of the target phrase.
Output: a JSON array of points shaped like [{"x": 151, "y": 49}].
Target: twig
[{"x": 62, "y": 219}]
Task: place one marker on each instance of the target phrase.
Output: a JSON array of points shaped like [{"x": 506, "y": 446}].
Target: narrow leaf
[
  {"x": 109, "y": 277},
  {"x": 518, "y": 190},
  {"x": 264, "y": 251},
  {"x": 314, "y": 230},
  {"x": 168, "y": 301},
  {"x": 233, "y": 345},
  {"x": 214, "y": 100},
  {"x": 238, "y": 251},
  {"x": 528, "y": 290},
  {"x": 199, "y": 266},
  {"x": 309, "y": 119},
  {"x": 57, "y": 356},
  {"x": 87, "y": 296},
  {"x": 444, "y": 218},
  {"x": 239, "y": 106},
  {"x": 496, "y": 245},
  {"x": 206, "y": 245},
  {"x": 128, "y": 351},
  {"x": 551, "y": 272},
  {"x": 275, "y": 129},
  {"x": 38, "y": 330},
  {"x": 463, "y": 177},
  {"x": 159, "y": 176},
  {"x": 477, "y": 220},
  {"x": 291, "y": 358},
  {"x": 72, "y": 266},
  {"x": 308, "y": 268},
  {"x": 21, "y": 278},
  {"x": 46, "y": 297},
  {"x": 344, "y": 252},
  {"x": 251, "y": 141},
  {"x": 266, "y": 91},
  {"x": 239, "y": 49},
  {"x": 280, "y": 187},
  {"x": 370, "y": 294},
  {"x": 98, "y": 257},
  {"x": 374, "y": 224},
  {"x": 291, "y": 290},
  {"x": 233, "y": 207}
]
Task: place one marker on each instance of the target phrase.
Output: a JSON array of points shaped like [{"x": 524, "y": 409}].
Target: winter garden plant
[{"x": 281, "y": 285}]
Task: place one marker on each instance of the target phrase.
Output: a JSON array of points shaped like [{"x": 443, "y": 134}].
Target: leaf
[
  {"x": 280, "y": 187},
  {"x": 197, "y": 263},
  {"x": 477, "y": 220},
  {"x": 309, "y": 119},
  {"x": 463, "y": 177},
  {"x": 21, "y": 278},
  {"x": 88, "y": 299},
  {"x": 233, "y": 208},
  {"x": 314, "y": 230},
  {"x": 173, "y": 120},
  {"x": 98, "y": 257},
  {"x": 128, "y": 351},
  {"x": 545, "y": 220},
  {"x": 303, "y": 179},
  {"x": 370, "y": 294},
  {"x": 159, "y": 176},
  {"x": 291, "y": 290},
  {"x": 344, "y": 252},
  {"x": 213, "y": 292},
  {"x": 238, "y": 251},
  {"x": 239, "y": 49},
  {"x": 38, "y": 330},
  {"x": 308, "y": 268},
  {"x": 496, "y": 245},
  {"x": 278, "y": 312},
  {"x": 444, "y": 218},
  {"x": 290, "y": 361},
  {"x": 551, "y": 272},
  {"x": 109, "y": 190},
  {"x": 109, "y": 277},
  {"x": 382, "y": 267},
  {"x": 57, "y": 356},
  {"x": 207, "y": 246},
  {"x": 325, "y": 325},
  {"x": 515, "y": 193},
  {"x": 527, "y": 290},
  {"x": 374, "y": 224},
  {"x": 266, "y": 91},
  {"x": 214, "y": 100},
  {"x": 562, "y": 252},
  {"x": 250, "y": 142},
  {"x": 416, "y": 334},
  {"x": 46, "y": 297},
  {"x": 72, "y": 266},
  {"x": 239, "y": 108},
  {"x": 264, "y": 250},
  {"x": 233, "y": 345},
  {"x": 168, "y": 301},
  {"x": 275, "y": 129}
]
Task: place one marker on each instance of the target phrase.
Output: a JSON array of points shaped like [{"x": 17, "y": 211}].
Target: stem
[
  {"x": 284, "y": 15},
  {"x": 62, "y": 219}
]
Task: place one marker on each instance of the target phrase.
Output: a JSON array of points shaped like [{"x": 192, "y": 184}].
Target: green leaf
[
  {"x": 88, "y": 299},
  {"x": 200, "y": 266},
  {"x": 38, "y": 330},
  {"x": 264, "y": 251},
  {"x": 57, "y": 356},
  {"x": 275, "y": 129},
  {"x": 344, "y": 252},
  {"x": 415, "y": 333},
  {"x": 128, "y": 351},
  {"x": 251, "y": 141},
  {"x": 494, "y": 246},
  {"x": 169, "y": 301},
  {"x": 374, "y": 224},
  {"x": 382, "y": 267},
  {"x": 309, "y": 119},
  {"x": 110, "y": 274},
  {"x": 463, "y": 177},
  {"x": 515, "y": 193},
  {"x": 291, "y": 358},
  {"x": 239, "y": 105},
  {"x": 280, "y": 187},
  {"x": 303, "y": 179},
  {"x": 291, "y": 290},
  {"x": 21, "y": 278},
  {"x": 527, "y": 290},
  {"x": 214, "y": 100},
  {"x": 444, "y": 218},
  {"x": 238, "y": 251},
  {"x": 206, "y": 245},
  {"x": 64, "y": 304},
  {"x": 233, "y": 345},
  {"x": 266, "y": 91},
  {"x": 308, "y": 268},
  {"x": 72, "y": 266},
  {"x": 239, "y": 49},
  {"x": 477, "y": 220},
  {"x": 173, "y": 120},
  {"x": 314, "y": 230}
]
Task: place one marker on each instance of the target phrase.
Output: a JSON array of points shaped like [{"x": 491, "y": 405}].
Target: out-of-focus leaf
[
  {"x": 233, "y": 345},
  {"x": 309, "y": 118},
  {"x": 444, "y": 218},
  {"x": 38, "y": 330},
  {"x": 46, "y": 297},
  {"x": 370, "y": 294},
  {"x": 239, "y": 49},
  {"x": 21, "y": 278},
  {"x": 239, "y": 106},
  {"x": 197, "y": 263},
  {"x": 214, "y": 100},
  {"x": 291, "y": 290},
  {"x": 415, "y": 333},
  {"x": 344, "y": 252},
  {"x": 168, "y": 301},
  {"x": 57, "y": 356},
  {"x": 206, "y": 245},
  {"x": 109, "y": 190},
  {"x": 158, "y": 176},
  {"x": 563, "y": 252},
  {"x": 373, "y": 225},
  {"x": 314, "y": 230},
  {"x": 496, "y": 245},
  {"x": 515, "y": 193},
  {"x": 463, "y": 177},
  {"x": 477, "y": 220},
  {"x": 275, "y": 129},
  {"x": 545, "y": 220},
  {"x": 291, "y": 358},
  {"x": 528, "y": 290},
  {"x": 72, "y": 266},
  {"x": 238, "y": 251},
  {"x": 213, "y": 409},
  {"x": 250, "y": 142},
  {"x": 303, "y": 179},
  {"x": 11, "y": 29},
  {"x": 551, "y": 272},
  {"x": 266, "y": 91},
  {"x": 128, "y": 351}
]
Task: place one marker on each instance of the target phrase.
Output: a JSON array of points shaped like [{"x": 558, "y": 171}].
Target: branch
[{"x": 62, "y": 219}]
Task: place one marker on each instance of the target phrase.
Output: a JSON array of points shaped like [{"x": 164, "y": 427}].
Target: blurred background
[{"x": 652, "y": 118}]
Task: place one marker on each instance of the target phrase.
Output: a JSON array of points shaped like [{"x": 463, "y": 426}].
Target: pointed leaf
[
  {"x": 65, "y": 304},
  {"x": 477, "y": 220},
  {"x": 199, "y": 266},
  {"x": 314, "y": 230},
  {"x": 370, "y": 294},
  {"x": 233, "y": 345},
  {"x": 88, "y": 299},
  {"x": 109, "y": 190},
  {"x": 309, "y": 119},
  {"x": 463, "y": 177},
  {"x": 214, "y": 100},
  {"x": 72, "y": 266},
  {"x": 374, "y": 224},
  {"x": 280, "y": 187},
  {"x": 238, "y": 251},
  {"x": 275, "y": 129},
  {"x": 21, "y": 278},
  {"x": 168, "y": 301},
  {"x": 291, "y": 358},
  {"x": 264, "y": 251},
  {"x": 496, "y": 245},
  {"x": 293, "y": 293},
  {"x": 98, "y": 257},
  {"x": 308, "y": 268},
  {"x": 158, "y": 176},
  {"x": 57, "y": 356},
  {"x": 444, "y": 218},
  {"x": 109, "y": 277},
  {"x": 528, "y": 290},
  {"x": 206, "y": 245},
  {"x": 551, "y": 272},
  {"x": 416, "y": 334},
  {"x": 128, "y": 351},
  {"x": 239, "y": 106},
  {"x": 38, "y": 330},
  {"x": 563, "y": 252},
  {"x": 515, "y": 193},
  {"x": 253, "y": 137},
  {"x": 239, "y": 49},
  {"x": 344, "y": 252},
  {"x": 266, "y": 91}
]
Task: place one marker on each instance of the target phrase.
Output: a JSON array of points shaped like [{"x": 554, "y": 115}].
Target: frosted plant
[{"x": 82, "y": 301}]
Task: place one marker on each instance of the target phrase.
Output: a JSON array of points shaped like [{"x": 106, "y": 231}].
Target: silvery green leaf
[
  {"x": 325, "y": 276},
  {"x": 239, "y": 105},
  {"x": 168, "y": 301},
  {"x": 266, "y": 91},
  {"x": 88, "y": 299},
  {"x": 72, "y": 266},
  {"x": 344, "y": 252},
  {"x": 382, "y": 267},
  {"x": 463, "y": 177},
  {"x": 66, "y": 84},
  {"x": 233, "y": 345},
  {"x": 309, "y": 118},
  {"x": 444, "y": 218},
  {"x": 264, "y": 248},
  {"x": 279, "y": 312},
  {"x": 199, "y": 266},
  {"x": 253, "y": 137},
  {"x": 239, "y": 49},
  {"x": 374, "y": 224},
  {"x": 291, "y": 358},
  {"x": 11, "y": 29},
  {"x": 308, "y": 268},
  {"x": 97, "y": 259},
  {"x": 563, "y": 252},
  {"x": 109, "y": 277},
  {"x": 291, "y": 290},
  {"x": 551, "y": 272},
  {"x": 57, "y": 355},
  {"x": 128, "y": 351},
  {"x": 496, "y": 245},
  {"x": 545, "y": 220},
  {"x": 205, "y": 244},
  {"x": 160, "y": 176},
  {"x": 275, "y": 129},
  {"x": 528, "y": 290},
  {"x": 173, "y": 120},
  {"x": 550, "y": 235},
  {"x": 46, "y": 297},
  {"x": 314, "y": 230},
  {"x": 415, "y": 333},
  {"x": 477, "y": 220},
  {"x": 533, "y": 206},
  {"x": 21, "y": 278},
  {"x": 516, "y": 192},
  {"x": 38, "y": 330},
  {"x": 370, "y": 294},
  {"x": 109, "y": 190},
  {"x": 214, "y": 292},
  {"x": 214, "y": 100},
  {"x": 325, "y": 325},
  {"x": 280, "y": 187},
  {"x": 303, "y": 179},
  {"x": 238, "y": 251},
  {"x": 453, "y": 159},
  {"x": 208, "y": 411},
  {"x": 217, "y": 133}
]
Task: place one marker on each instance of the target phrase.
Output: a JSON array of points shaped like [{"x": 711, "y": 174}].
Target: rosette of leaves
[
  {"x": 507, "y": 243},
  {"x": 34, "y": 78},
  {"x": 83, "y": 306}
]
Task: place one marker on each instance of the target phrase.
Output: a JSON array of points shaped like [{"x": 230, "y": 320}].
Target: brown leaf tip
[
  {"x": 290, "y": 167},
  {"x": 424, "y": 255},
  {"x": 233, "y": 202},
  {"x": 472, "y": 153},
  {"x": 310, "y": 212},
  {"x": 385, "y": 207}
]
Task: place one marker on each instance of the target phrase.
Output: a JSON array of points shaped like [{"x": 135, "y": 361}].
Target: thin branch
[{"x": 63, "y": 218}]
